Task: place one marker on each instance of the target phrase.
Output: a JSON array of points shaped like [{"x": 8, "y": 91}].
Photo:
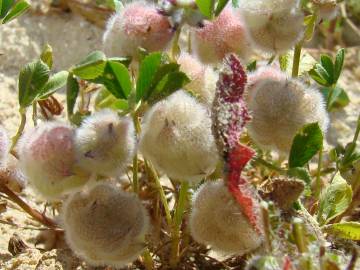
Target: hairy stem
[
  {"x": 34, "y": 114},
  {"x": 27, "y": 208},
  {"x": 177, "y": 220},
  {"x": 296, "y": 60},
  {"x": 20, "y": 130}
]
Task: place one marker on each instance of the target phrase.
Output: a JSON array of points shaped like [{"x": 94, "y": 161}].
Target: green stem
[
  {"x": 20, "y": 129},
  {"x": 357, "y": 132},
  {"x": 135, "y": 167},
  {"x": 34, "y": 114},
  {"x": 318, "y": 174},
  {"x": 263, "y": 162},
  {"x": 161, "y": 192},
  {"x": 296, "y": 60},
  {"x": 331, "y": 92},
  {"x": 148, "y": 261},
  {"x": 177, "y": 220},
  {"x": 175, "y": 49},
  {"x": 298, "y": 232}
]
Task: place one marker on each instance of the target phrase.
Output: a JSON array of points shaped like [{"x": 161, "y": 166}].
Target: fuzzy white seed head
[
  {"x": 326, "y": 9},
  {"x": 4, "y": 146},
  {"x": 217, "y": 220},
  {"x": 105, "y": 225},
  {"x": 280, "y": 107},
  {"x": 203, "y": 78},
  {"x": 275, "y": 26},
  {"x": 105, "y": 143},
  {"x": 138, "y": 24},
  {"x": 47, "y": 159},
  {"x": 176, "y": 137},
  {"x": 226, "y": 34}
]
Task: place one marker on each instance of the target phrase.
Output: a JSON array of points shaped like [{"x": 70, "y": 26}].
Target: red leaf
[{"x": 230, "y": 115}]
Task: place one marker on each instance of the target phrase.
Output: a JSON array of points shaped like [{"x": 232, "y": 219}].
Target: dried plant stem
[
  {"x": 27, "y": 208},
  {"x": 177, "y": 220},
  {"x": 20, "y": 129},
  {"x": 267, "y": 226},
  {"x": 296, "y": 60}
]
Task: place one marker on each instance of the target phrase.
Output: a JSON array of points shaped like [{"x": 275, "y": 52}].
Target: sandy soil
[{"x": 72, "y": 38}]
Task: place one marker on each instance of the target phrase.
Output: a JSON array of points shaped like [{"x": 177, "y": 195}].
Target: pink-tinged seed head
[
  {"x": 47, "y": 157},
  {"x": 4, "y": 146},
  {"x": 176, "y": 137},
  {"x": 105, "y": 225},
  {"x": 326, "y": 9},
  {"x": 226, "y": 34},
  {"x": 138, "y": 24},
  {"x": 217, "y": 220},
  {"x": 280, "y": 107},
  {"x": 105, "y": 143},
  {"x": 203, "y": 78}
]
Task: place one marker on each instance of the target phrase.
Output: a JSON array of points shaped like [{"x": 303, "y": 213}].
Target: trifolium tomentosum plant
[{"x": 197, "y": 139}]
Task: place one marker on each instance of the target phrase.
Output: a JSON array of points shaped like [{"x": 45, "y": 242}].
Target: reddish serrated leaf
[
  {"x": 287, "y": 263},
  {"x": 242, "y": 191},
  {"x": 229, "y": 111}
]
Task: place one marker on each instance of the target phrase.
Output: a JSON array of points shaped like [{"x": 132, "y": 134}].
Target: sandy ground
[{"x": 72, "y": 38}]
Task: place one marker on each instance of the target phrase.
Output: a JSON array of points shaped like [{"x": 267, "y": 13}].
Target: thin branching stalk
[
  {"x": 296, "y": 60},
  {"x": 27, "y": 208},
  {"x": 177, "y": 220}
]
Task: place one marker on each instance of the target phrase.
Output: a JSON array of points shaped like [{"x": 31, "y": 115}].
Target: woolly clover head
[
  {"x": 105, "y": 225},
  {"x": 138, "y": 24},
  {"x": 275, "y": 26},
  {"x": 280, "y": 107},
  {"x": 203, "y": 78},
  {"x": 226, "y": 34},
  {"x": 105, "y": 143},
  {"x": 217, "y": 220},
  {"x": 47, "y": 158},
  {"x": 326, "y": 9},
  {"x": 176, "y": 137},
  {"x": 4, "y": 146}
]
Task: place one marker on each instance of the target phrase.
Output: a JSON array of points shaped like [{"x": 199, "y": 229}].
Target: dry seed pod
[
  {"x": 280, "y": 107},
  {"x": 226, "y": 34},
  {"x": 217, "y": 220},
  {"x": 47, "y": 159},
  {"x": 136, "y": 25},
  {"x": 203, "y": 78},
  {"x": 105, "y": 225},
  {"x": 105, "y": 143},
  {"x": 176, "y": 137},
  {"x": 275, "y": 26}
]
